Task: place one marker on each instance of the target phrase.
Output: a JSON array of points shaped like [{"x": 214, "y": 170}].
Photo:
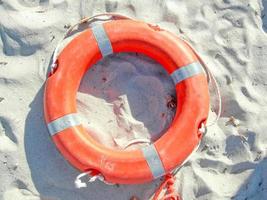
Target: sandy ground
[{"x": 230, "y": 36}]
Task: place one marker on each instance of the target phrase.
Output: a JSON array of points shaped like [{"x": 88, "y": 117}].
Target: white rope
[
  {"x": 136, "y": 141},
  {"x": 218, "y": 97},
  {"x": 79, "y": 184},
  {"x": 211, "y": 79}
]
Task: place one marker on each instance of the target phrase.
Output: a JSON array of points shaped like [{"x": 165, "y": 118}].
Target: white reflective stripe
[
  {"x": 186, "y": 72},
  {"x": 63, "y": 123},
  {"x": 102, "y": 39},
  {"x": 153, "y": 160}
]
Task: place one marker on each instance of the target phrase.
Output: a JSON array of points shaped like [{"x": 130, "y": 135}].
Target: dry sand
[{"x": 127, "y": 93}]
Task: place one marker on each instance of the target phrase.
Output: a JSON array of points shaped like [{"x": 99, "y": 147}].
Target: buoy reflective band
[
  {"x": 63, "y": 123},
  {"x": 153, "y": 160},
  {"x": 102, "y": 39},
  {"x": 186, "y": 72}
]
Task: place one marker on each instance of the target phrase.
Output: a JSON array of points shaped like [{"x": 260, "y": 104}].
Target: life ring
[{"x": 132, "y": 166}]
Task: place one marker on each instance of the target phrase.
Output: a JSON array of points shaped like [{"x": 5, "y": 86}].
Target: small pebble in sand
[
  {"x": 206, "y": 146},
  {"x": 15, "y": 166},
  {"x": 258, "y": 157},
  {"x": 233, "y": 121},
  {"x": 40, "y": 11},
  {"x": 1, "y": 99},
  {"x": 53, "y": 37},
  {"x": 3, "y": 63},
  {"x": 171, "y": 102},
  {"x": 67, "y": 26}
]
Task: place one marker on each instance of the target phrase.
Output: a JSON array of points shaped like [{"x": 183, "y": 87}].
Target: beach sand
[{"x": 125, "y": 97}]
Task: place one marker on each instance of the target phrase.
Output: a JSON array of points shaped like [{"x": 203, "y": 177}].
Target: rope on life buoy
[
  {"x": 170, "y": 193},
  {"x": 169, "y": 178}
]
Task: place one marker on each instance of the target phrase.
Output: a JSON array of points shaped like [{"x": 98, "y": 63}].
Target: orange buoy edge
[{"x": 135, "y": 166}]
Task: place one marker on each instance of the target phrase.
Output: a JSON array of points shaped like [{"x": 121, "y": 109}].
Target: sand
[{"x": 124, "y": 98}]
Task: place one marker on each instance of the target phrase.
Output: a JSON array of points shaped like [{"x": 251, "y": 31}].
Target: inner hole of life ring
[{"x": 126, "y": 101}]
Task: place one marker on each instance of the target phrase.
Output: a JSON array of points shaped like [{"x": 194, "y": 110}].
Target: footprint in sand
[
  {"x": 19, "y": 190},
  {"x": 8, "y": 140}
]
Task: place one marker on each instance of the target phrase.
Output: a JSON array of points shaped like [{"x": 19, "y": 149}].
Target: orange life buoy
[{"x": 130, "y": 166}]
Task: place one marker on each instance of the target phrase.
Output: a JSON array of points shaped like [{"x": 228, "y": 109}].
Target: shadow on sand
[
  {"x": 53, "y": 177},
  {"x": 255, "y": 188}
]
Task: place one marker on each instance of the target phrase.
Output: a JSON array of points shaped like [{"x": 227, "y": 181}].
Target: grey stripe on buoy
[
  {"x": 186, "y": 72},
  {"x": 153, "y": 160},
  {"x": 63, "y": 123},
  {"x": 102, "y": 39}
]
